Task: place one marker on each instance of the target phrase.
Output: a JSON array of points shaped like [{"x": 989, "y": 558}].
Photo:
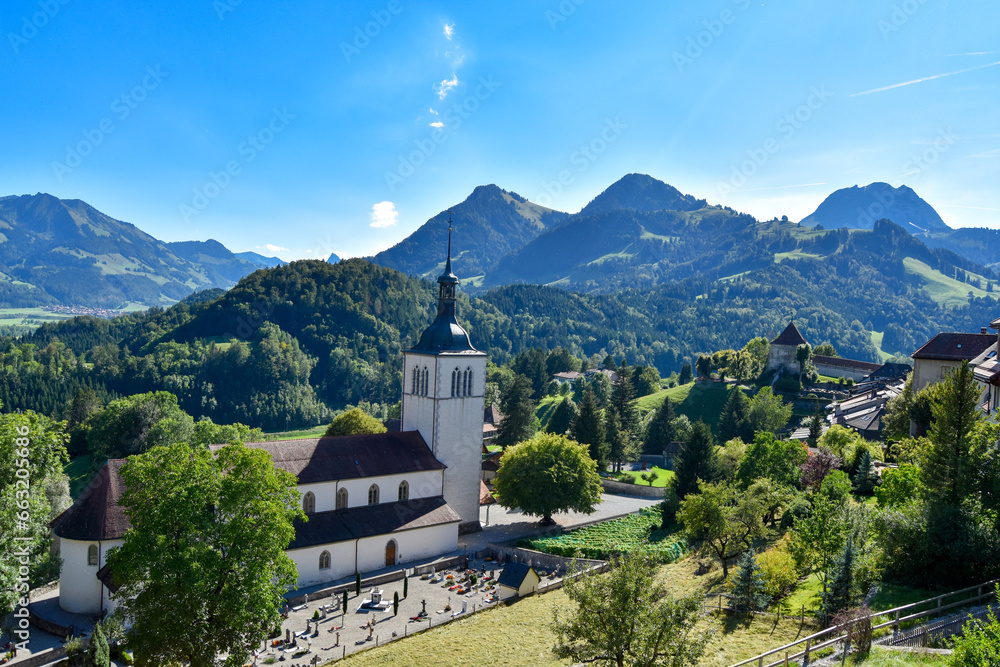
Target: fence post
[
  {"x": 760, "y": 662},
  {"x": 895, "y": 627},
  {"x": 786, "y": 658},
  {"x": 938, "y": 615},
  {"x": 720, "y": 601},
  {"x": 805, "y": 656},
  {"x": 923, "y": 638}
]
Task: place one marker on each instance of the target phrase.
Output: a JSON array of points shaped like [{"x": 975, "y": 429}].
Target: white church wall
[
  {"x": 307, "y": 562},
  {"x": 411, "y": 545},
  {"x": 79, "y": 587},
  {"x": 423, "y": 484}
]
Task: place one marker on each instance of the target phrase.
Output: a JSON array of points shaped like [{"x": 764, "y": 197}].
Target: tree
[
  {"x": 733, "y": 420},
  {"x": 767, "y": 412},
  {"x": 208, "y": 540},
  {"x": 950, "y": 469},
  {"x": 137, "y": 423},
  {"x": 629, "y": 618},
  {"x": 749, "y": 589},
  {"x": 623, "y": 403},
  {"x": 896, "y": 421},
  {"x": 817, "y": 539},
  {"x": 841, "y": 594},
  {"x": 562, "y": 417},
  {"x": 650, "y": 477},
  {"x": 686, "y": 374},
  {"x": 899, "y": 486},
  {"x": 704, "y": 366},
  {"x": 725, "y": 520},
  {"x": 354, "y": 422},
  {"x": 825, "y": 350},
  {"x": 697, "y": 460},
  {"x": 815, "y": 428},
  {"x": 588, "y": 429},
  {"x": 206, "y": 433},
  {"x": 660, "y": 431},
  {"x": 815, "y": 469},
  {"x": 518, "y": 408},
  {"x": 395, "y": 603},
  {"x": 646, "y": 380},
  {"x": 775, "y": 459},
  {"x": 618, "y": 441},
  {"x": 98, "y": 653},
  {"x": 548, "y": 474},
  {"x": 803, "y": 353},
  {"x": 866, "y": 477}
]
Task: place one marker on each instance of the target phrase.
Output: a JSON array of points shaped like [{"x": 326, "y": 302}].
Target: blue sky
[{"x": 301, "y": 129}]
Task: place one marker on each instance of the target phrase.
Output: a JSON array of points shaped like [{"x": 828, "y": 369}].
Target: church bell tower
[{"x": 444, "y": 382}]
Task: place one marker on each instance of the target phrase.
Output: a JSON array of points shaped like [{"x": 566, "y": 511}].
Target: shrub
[
  {"x": 778, "y": 569},
  {"x": 789, "y": 383}
]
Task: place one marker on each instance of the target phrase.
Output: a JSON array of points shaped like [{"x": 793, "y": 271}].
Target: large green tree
[
  {"x": 519, "y": 413},
  {"x": 137, "y": 423},
  {"x": 697, "y": 460},
  {"x": 951, "y": 468},
  {"x": 588, "y": 429},
  {"x": 354, "y": 422},
  {"x": 769, "y": 457},
  {"x": 660, "y": 431},
  {"x": 549, "y": 473},
  {"x": 724, "y": 519},
  {"x": 767, "y": 412},
  {"x": 733, "y": 421},
  {"x": 562, "y": 417},
  {"x": 628, "y": 618},
  {"x": 203, "y": 568}
]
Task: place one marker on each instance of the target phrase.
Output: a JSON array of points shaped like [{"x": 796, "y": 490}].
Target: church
[{"x": 372, "y": 501}]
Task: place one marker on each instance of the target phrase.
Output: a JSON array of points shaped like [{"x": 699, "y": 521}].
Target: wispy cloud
[
  {"x": 270, "y": 247},
  {"x": 926, "y": 78},
  {"x": 974, "y": 53},
  {"x": 384, "y": 214},
  {"x": 433, "y": 111},
  {"x": 446, "y": 86},
  {"x": 449, "y": 30},
  {"x": 437, "y": 124},
  {"x": 988, "y": 154}
]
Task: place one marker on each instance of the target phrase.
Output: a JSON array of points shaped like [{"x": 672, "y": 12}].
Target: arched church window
[
  {"x": 424, "y": 392},
  {"x": 454, "y": 382},
  {"x": 404, "y": 490},
  {"x": 373, "y": 494},
  {"x": 92, "y": 554},
  {"x": 324, "y": 560},
  {"x": 414, "y": 389},
  {"x": 309, "y": 503},
  {"x": 342, "y": 499}
]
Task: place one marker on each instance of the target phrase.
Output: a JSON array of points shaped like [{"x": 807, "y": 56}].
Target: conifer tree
[
  {"x": 840, "y": 594},
  {"x": 950, "y": 471},
  {"x": 518, "y": 408},
  {"x": 660, "y": 431},
  {"x": 749, "y": 589},
  {"x": 732, "y": 422},
  {"x": 588, "y": 429},
  {"x": 98, "y": 653},
  {"x": 815, "y": 429},
  {"x": 696, "y": 460},
  {"x": 562, "y": 417},
  {"x": 617, "y": 440},
  {"x": 866, "y": 477}
]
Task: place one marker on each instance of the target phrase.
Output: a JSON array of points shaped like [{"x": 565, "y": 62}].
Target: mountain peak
[
  {"x": 858, "y": 207},
  {"x": 641, "y": 192}
]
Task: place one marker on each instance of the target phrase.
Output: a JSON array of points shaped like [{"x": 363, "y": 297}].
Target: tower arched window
[
  {"x": 342, "y": 499},
  {"x": 92, "y": 555},
  {"x": 324, "y": 560},
  {"x": 426, "y": 375},
  {"x": 309, "y": 503},
  {"x": 414, "y": 389},
  {"x": 454, "y": 382},
  {"x": 404, "y": 490},
  {"x": 467, "y": 383},
  {"x": 373, "y": 494}
]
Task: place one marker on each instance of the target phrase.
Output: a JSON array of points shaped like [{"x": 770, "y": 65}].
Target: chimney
[{"x": 982, "y": 330}]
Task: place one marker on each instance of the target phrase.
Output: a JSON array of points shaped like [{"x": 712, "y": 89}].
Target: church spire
[
  {"x": 445, "y": 334},
  {"x": 447, "y": 280}
]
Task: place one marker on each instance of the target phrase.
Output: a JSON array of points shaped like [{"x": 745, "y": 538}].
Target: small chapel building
[{"x": 373, "y": 501}]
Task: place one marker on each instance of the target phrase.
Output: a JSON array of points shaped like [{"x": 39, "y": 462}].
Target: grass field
[
  {"x": 545, "y": 409},
  {"x": 947, "y": 292},
  {"x": 663, "y": 476},
  {"x": 696, "y": 400},
  {"x": 881, "y": 657},
  {"x": 79, "y": 473},
  {"x": 17, "y": 316},
  {"x": 301, "y": 434},
  {"x": 877, "y": 337}
]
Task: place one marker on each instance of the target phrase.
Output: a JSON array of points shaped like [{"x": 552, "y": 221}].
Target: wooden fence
[{"x": 803, "y": 648}]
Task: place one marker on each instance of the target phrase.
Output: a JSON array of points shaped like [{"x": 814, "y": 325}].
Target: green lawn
[
  {"x": 877, "y": 337},
  {"x": 881, "y": 657},
  {"x": 79, "y": 473},
  {"x": 663, "y": 476},
  {"x": 947, "y": 292},
  {"x": 545, "y": 409},
  {"x": 301, "y": 434},
  {"x": 696, "y": 400}
]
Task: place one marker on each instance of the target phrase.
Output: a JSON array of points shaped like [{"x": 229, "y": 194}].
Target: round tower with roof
[{"x": 444, "y": 383}]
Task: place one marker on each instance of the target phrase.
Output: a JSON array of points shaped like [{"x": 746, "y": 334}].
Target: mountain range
[{"x": 64, "y": 251}]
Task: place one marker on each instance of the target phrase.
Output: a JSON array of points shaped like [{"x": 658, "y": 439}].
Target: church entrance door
[{"x": 390, "y": 553}]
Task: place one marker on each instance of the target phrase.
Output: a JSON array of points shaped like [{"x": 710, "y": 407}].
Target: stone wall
[{"x": 637, "y": 489}]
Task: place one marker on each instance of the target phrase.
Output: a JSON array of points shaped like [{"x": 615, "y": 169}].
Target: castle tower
[{"x": 444, "y": 382}]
